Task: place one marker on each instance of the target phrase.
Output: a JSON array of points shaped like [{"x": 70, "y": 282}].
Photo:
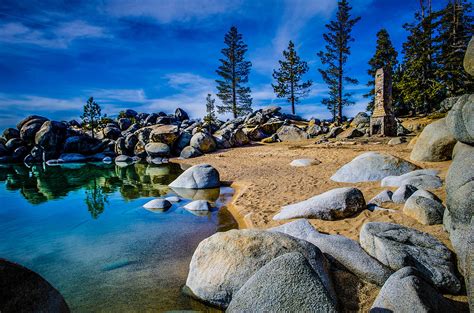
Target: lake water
[{"x": 83, "y": 228}]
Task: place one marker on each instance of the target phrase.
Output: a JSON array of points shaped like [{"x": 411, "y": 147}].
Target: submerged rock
[
  {"x": 333, "y": 204},
  {"x": 198, "y": 205},
  {"x": 285, "y": 284},
  {"x": 199, "y": 176},
  {"x": 157, "y": 205},
  {"x": 372, "y": 166},
  {"x": 224, "y": 262},
  {"x": 22, "y": 290},
  {"x": 397, "y": 246}
]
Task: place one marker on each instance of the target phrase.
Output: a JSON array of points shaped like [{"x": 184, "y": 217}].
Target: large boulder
[
  {"x": 397, "y": 246},
  {"x": 458, "y": 216},
  {"x": 424, "y": 207},
  {"x": 285, "y": 284},
  {"x": 181, "y": 115},
  {"x": 29, "y": 128},
  {"x": 183, "y": 141},
  {"x": 22, "y": 290},
  {"x": 434, "y": 144},
  {"x": 291, "y": 133},
  {"x": 351, "y": 133},
  {"x": 30, "y": 118},
  {"x": 224, "y": 262},
  {"x": 82, "y": 144},
  {"x": 13, "y": 144},
  {"x": 361, "y": 120},
  {"x": 407, "y": 291},
  {"x": 334, "y": 204},
  {"x": 111, "y": 132},
  {"x": 403, "y": 193},
  {"x": 51, "y": 137},
  {"x": 372, "y": 166},
  {"x": 167, "y": 134},
  {"x": 157, "y": 149},
  {"x": 203, "y": 142},
  {"x": 345, "y": 251},
  {"x": 423, "y": 179},
  {"x": 201, "y": 176},
  {"x": 190, "y": 152},
  {"x": 124, "y": 123},
  {"x": 460, "y": 119},
  {"x": 469, "y": 58}
]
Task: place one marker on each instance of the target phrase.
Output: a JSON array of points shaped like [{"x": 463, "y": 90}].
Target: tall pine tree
[
  {"x": 234, "y": 72},
  {"x": 385, "y": 56},
  {"x": 335, "y": 58},
  {"x": 455, "y": 30},
  {"x": 419, "y": 85},
  {"x": 288, "y": 77}
]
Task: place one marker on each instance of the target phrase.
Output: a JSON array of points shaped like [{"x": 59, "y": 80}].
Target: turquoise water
[{"x": 83, "y": 228}]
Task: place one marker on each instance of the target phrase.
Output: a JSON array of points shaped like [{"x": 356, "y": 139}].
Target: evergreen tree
[
  {"x": 419, "y": 85},
  {"x": 210, "y": 117},
  {"x": 234, "y": 72},
  {"x": 91, "y": 115},
  {"x": 455, "y": 31},
  {"x": 288, "y": 77},
  {"x": 335, "y": 58},
  {"x": 385, "y": 56}
]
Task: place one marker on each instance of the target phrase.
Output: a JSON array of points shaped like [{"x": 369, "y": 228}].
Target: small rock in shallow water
[
  {"x": 173, "y": 199},
  {"x": 198, "y": 205},
  {"x": 157, "y": 204}
]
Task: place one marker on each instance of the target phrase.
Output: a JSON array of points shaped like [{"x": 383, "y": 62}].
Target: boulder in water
[{"x": 201, "y": 176}]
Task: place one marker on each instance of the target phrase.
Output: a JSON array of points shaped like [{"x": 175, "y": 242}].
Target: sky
[{"x": 157, "y": 55}]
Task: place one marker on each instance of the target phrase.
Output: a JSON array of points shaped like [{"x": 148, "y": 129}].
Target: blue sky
[{"x": 156, "y": 55}]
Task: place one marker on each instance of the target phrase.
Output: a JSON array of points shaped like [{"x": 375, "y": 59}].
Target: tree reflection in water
[{"x": 95, "y": 199}]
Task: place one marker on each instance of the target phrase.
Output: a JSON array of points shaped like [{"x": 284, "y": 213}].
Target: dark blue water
[{"x": 83, "y": 228}]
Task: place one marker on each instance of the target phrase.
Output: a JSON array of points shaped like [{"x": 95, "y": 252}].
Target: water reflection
[
  {"x": 96, "y": 198},
  {"x": 84, "y": 229},
  {"x": 40, "y": 184}
]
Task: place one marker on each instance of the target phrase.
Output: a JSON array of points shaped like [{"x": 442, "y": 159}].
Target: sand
[{"x": 264, "y": 182}]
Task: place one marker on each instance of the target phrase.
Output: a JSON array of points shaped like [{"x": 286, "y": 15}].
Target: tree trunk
[
  {"x": 339, "y": 97},
  {"x": 234, "y": 93},
  {"x": 292, "y": 97}
]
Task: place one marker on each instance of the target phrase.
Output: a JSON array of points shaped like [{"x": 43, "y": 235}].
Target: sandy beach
[{"x": 264, "y": 182}]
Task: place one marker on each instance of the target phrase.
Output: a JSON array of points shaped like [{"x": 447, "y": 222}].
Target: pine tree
[
  {"x": 234, "y": 72},
  {"x": 385, "y": 56},
  {"x": 210, "y": 117},
  {"x": 455, "y": 31},
  {"x": 288, "y": 77},
  {"x": 419, "y": 85},
  {"x": 335, "y": 58},
  {"x": 91, "y": 115}
]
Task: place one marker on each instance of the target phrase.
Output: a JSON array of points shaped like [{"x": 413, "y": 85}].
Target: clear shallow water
[{"x": 83, "y": 228}]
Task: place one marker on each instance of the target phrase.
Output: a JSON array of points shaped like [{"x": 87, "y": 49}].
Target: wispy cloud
[
  {"x": 58, "y": 36},
  {"x": 165, "y": 11}
]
